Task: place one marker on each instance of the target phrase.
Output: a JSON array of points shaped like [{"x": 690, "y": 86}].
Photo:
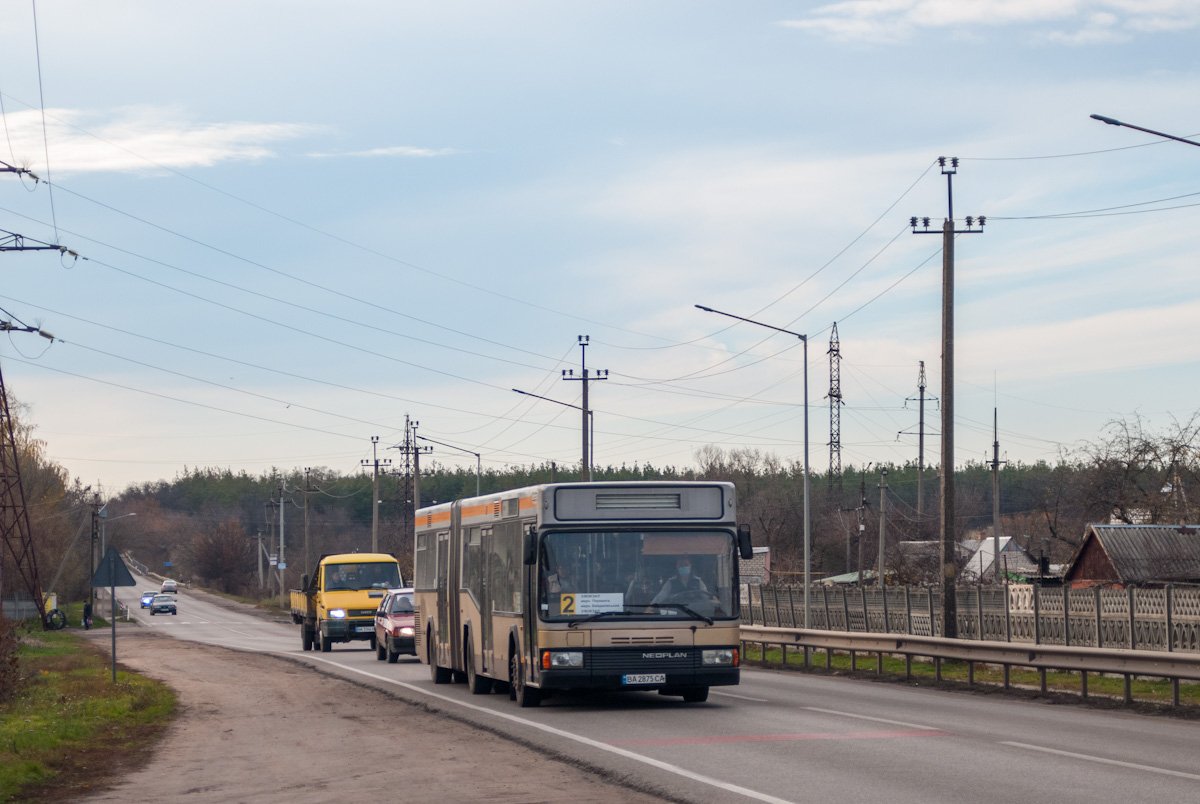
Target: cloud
[
  {"x": 394, "y": 150},
  {"x": 886, "y": 21},
  {"x": 137, "y": 139}
]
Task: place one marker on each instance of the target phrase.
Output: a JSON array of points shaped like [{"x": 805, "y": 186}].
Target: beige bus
[{"x": 614, "y": 586}]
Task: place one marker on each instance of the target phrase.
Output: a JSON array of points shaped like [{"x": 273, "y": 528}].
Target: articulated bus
[{"x": 567, "y": 586}]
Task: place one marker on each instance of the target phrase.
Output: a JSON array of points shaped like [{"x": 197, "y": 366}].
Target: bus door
[
  {"x": 443, "y": 589},
  {"x": 486, "y": 601}
]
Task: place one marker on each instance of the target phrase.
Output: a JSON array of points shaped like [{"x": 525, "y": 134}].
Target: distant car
[
  {"x": 147, "y": 597},
  {"x": 161, "y": 604},
  {"x": 170, "y": 587},
  {"x": 394, "y": 626}
]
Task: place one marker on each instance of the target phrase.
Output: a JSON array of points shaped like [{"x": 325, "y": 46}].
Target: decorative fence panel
[{"x": 1166, "y": 619}]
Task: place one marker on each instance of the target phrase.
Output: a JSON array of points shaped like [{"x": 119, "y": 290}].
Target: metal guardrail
[{"x": 1084, "y": 660}]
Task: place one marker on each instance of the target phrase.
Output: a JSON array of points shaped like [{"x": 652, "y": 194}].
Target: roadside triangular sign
[{"x": 112, "y": 571}]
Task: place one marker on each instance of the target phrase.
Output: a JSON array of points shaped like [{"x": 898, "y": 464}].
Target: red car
[{"x": 394, "y": 626}]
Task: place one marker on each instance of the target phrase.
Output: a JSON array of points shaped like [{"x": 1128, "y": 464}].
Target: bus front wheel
[
  {"x": 518, "y": 690},
  {"x": 695, "y": 694}
]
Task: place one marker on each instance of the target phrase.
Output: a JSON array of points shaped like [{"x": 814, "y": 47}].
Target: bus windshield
[{"x": 673, "y": 574}]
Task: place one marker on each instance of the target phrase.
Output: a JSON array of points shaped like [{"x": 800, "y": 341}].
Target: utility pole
[
  {"x": 375, "y": 494},
  {"x": 260, "y": 556},
  {"x": 835, "y": 415},
  {"x": 271, "y": 547},
  {"x": 95, "y": 536},
  {"x": 569, "y": 374},
  {"x": 282, "y": 559},
  {"x": 947, "y": 523},
  {"x": 995, "y": 464},
  {"x": 921, "y": 386},
  {"x": 882, "y": 521},
  {"x": 862, "y": 525},
  {"x": 307, "y": 554}
]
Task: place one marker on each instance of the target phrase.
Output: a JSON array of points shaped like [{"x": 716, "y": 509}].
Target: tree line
[{"x": 204, "y": 524}]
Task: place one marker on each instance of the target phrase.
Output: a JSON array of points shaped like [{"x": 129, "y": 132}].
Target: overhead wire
[{"x": 45, "y": 136}]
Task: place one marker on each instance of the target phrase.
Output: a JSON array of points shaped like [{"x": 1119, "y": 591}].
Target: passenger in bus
[
  {"x": 640, "y": 592},
  {"x": 561, "y": 580},
  {"x": 682, "y": 581}
]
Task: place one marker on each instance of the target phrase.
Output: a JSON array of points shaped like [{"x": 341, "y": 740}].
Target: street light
[
  {"x": 478, "y": 459},
  {"x": 591, "y": 414},
  {"x": 104, "y": 520},
  {"x": 1114, "y": 122},
  {"x": 807, "y": 520}
]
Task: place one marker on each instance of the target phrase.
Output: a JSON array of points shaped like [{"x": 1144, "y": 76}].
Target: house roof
[
  {"x": 1143, "y": 553},
  {"x": 1013, "y": 559}
]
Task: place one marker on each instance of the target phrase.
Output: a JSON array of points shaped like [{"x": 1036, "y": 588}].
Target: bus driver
[{"x": 682, "y": 581}]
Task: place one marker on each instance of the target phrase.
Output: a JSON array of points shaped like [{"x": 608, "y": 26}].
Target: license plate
[
  {"x": 363, "y": 629},
  {"x": 644, "y": 678}
]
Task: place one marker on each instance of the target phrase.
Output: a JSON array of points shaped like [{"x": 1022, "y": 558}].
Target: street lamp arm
[
  {"x": 1114, "y": 122},
  {"x": 749, "y": 321}
]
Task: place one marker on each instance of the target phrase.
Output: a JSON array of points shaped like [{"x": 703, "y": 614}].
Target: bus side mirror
[
  {"x": 530, "y": 556},
  {"x": 744, "y": 547}
]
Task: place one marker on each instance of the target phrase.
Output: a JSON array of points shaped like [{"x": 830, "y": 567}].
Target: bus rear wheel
[
  {"x": 440, "y": 675},
  {"x": 479, "y": 685}
]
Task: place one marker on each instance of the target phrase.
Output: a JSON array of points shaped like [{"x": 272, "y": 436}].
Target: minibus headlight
[
  {"x": 723, "y": 656},
  {"x": 406, "y": 631},
  {"x": 337, "y": 614},
  {"x": 561, "y": 658}
]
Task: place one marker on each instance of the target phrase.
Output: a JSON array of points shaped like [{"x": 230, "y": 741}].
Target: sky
[{"x": 299, "y": 223}]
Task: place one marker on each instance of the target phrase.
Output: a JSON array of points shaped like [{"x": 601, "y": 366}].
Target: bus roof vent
[{"x": 616, "y": 501}]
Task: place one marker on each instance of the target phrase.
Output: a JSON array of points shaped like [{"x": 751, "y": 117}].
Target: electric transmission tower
[{"x": 835, "y": 414}]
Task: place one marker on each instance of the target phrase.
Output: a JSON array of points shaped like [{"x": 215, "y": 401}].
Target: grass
[
  {"x": 1144, "y": 690},
  {"x": 70, "y": 728}
]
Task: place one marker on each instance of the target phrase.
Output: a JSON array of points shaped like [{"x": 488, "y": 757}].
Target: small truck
[{"x": 338, "y": 602}]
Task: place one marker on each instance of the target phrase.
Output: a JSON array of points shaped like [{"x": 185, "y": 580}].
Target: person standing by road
[{"x": 87, "y": 616}]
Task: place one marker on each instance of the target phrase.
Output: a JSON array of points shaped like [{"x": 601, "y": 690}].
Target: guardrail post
[
  {"x": 1066, "y": 615},
  {"x": 1083, "y": 684},
  {"x": 1128, "y": 689},
  {"x": 1132, "y": 622},
  {"x": 1042, "y": 678},
  {"x": 1170, "y": 624},
  {"x": 1175, "y": 692}
]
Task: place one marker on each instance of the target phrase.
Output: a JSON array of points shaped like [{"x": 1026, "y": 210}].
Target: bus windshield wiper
[
  {"x": 691, "y": 611},
  {"x": 611, "y": 613}
]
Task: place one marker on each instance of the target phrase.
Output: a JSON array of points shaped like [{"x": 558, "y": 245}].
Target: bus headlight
[
  {"x": 723, "y": 656},
  {"x": 337, "y": 614},
  {"x": 561, "y": 658}
]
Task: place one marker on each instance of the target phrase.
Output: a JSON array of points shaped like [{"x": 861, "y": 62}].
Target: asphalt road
[{"x": 783, "y": 737}]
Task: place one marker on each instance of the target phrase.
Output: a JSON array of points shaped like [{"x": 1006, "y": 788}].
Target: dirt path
[{"x": 260, "y": 729}]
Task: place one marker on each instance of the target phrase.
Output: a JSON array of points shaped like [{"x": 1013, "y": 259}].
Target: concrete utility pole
[
  {"x": 862, "y": 515},
  {"x": 95, "y": 537},
  {"x": 282, "y": 559},
  {"x": 995, "y": 464},
  {"x": 921, "y": 449},
  {"x": 882, "y": 521},
  {"x": 260, "y": 556},
  {"x": 835, "y": 415},
  {"x": 569, "y": 374},
  {"x": 947, "y": 525},
  {"x": 375, "y": 493},
  {"x": 307, "y": 554}
]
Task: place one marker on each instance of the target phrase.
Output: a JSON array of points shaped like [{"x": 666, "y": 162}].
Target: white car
[{"x": 170, "y": 587}]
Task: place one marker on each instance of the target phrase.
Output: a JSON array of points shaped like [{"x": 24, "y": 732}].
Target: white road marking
[
  {"x": 612, "y": 749},
  {"x": 1102, "y": 760},
  {"x": 868, "y": 717},
  {"x": 739, "y": 697}
]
